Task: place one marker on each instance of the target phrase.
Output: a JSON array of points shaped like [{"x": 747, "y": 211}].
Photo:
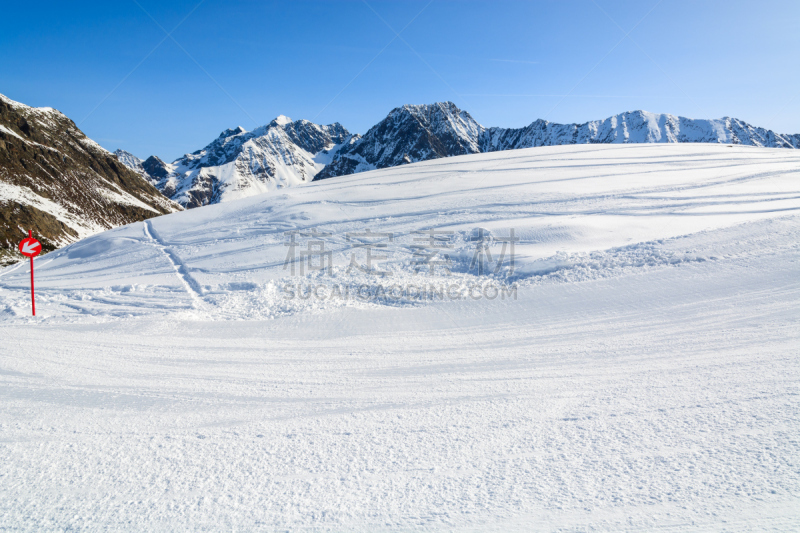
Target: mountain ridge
[
  {"x": 285, "y": 153},
  {"x": 445, "y": 125},
  {"x": 240, "y": 163},
  {"x": 636, "y": 127},
  {"x": 408, "y": 134}
]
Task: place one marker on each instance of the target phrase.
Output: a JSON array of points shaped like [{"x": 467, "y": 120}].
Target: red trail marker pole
[
  {"x": 33, "y": 297},
  {"x": 30, "y": 247}
]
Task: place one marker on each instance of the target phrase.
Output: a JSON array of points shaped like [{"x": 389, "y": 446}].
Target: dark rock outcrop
[{"x": 62, "y": 185}]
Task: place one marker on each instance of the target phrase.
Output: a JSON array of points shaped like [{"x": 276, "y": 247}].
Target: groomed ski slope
[{"x": 637, "y": 369}]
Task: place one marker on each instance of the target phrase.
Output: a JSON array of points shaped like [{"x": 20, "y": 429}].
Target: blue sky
[{"x": 111, "y": 68}]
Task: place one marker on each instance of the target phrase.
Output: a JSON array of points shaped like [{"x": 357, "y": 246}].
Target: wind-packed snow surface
[{"x": 635, "y": 368}]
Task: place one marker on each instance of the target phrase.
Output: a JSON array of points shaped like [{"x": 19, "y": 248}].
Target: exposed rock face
[
  {"x": 62, "y": 185},
  {"x": 155, "y": 167},
  {"x": 410, "y": 133}
]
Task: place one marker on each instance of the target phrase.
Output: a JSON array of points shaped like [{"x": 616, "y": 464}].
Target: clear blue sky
[{"x": 507, "y": 63}]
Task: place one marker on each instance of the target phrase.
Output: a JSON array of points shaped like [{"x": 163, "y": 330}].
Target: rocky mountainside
[
  {"x": 410, "y": 133},
  {"x": 62, "y": 185},
  {"x": 242, "y": 163},
  {"x": 417, "y": 133}
]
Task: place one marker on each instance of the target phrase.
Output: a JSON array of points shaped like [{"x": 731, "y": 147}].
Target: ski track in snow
[
  {"x": 644, "y": 378},
  {"x": 192, "y": 287}
]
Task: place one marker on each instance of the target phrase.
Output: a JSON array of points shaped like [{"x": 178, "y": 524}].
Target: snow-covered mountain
[
  {"x": 129, "y": 160},
  {"x": 62, "y": 185},
  {"x": 133, "y": 163},
  {"x": 242, "y": 163},
  {"x": 635, "y": 127},
  {"x": 283, "y": 153},
  {"x": 419, "y": 133},
  {"x": 153, "y": 169},
  {"x": 409, "y": 134}
]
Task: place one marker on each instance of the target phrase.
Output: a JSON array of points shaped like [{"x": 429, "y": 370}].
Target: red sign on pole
[{"x": 30, "y": 247}]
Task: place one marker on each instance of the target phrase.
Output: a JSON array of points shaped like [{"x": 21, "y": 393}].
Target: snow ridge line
[{"x": 191, "y": 284}]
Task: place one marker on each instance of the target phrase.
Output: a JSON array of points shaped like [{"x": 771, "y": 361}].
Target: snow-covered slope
[
  {"x": 562, "y": 202},
  {"x": 196, "y": 371},
  {"x": 62, "y": 185},
  {"x": 242, "y": 163}
]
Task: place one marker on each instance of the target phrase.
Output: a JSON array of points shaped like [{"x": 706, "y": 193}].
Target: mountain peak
[
  {"x": 155, "y": 168},
  {"x": 127, "y": 159},
  {"x": 282, "y": 120},
  {"x": 242, "y": 163},
  {"x": 447, "y": 107},
  {"x": 408, "y": 134},
  {"x": 154, "y": 159},
  {"x": 446, "y": 104},
  {"x": 230, "y": 132}
]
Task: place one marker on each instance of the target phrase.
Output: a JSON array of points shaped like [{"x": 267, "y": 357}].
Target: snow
[
  {"x": 325, "y": 156},
  {"x": 241, "y": 164},
  {"x": 129, "y": 160},
  {"x": 644, "y": 376},
  {"x": 11, "y": 132},
  {"x": 25, "y": 196},
  {"x": 123, "y": 198},
  {"x": 91, "y": 144}
]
